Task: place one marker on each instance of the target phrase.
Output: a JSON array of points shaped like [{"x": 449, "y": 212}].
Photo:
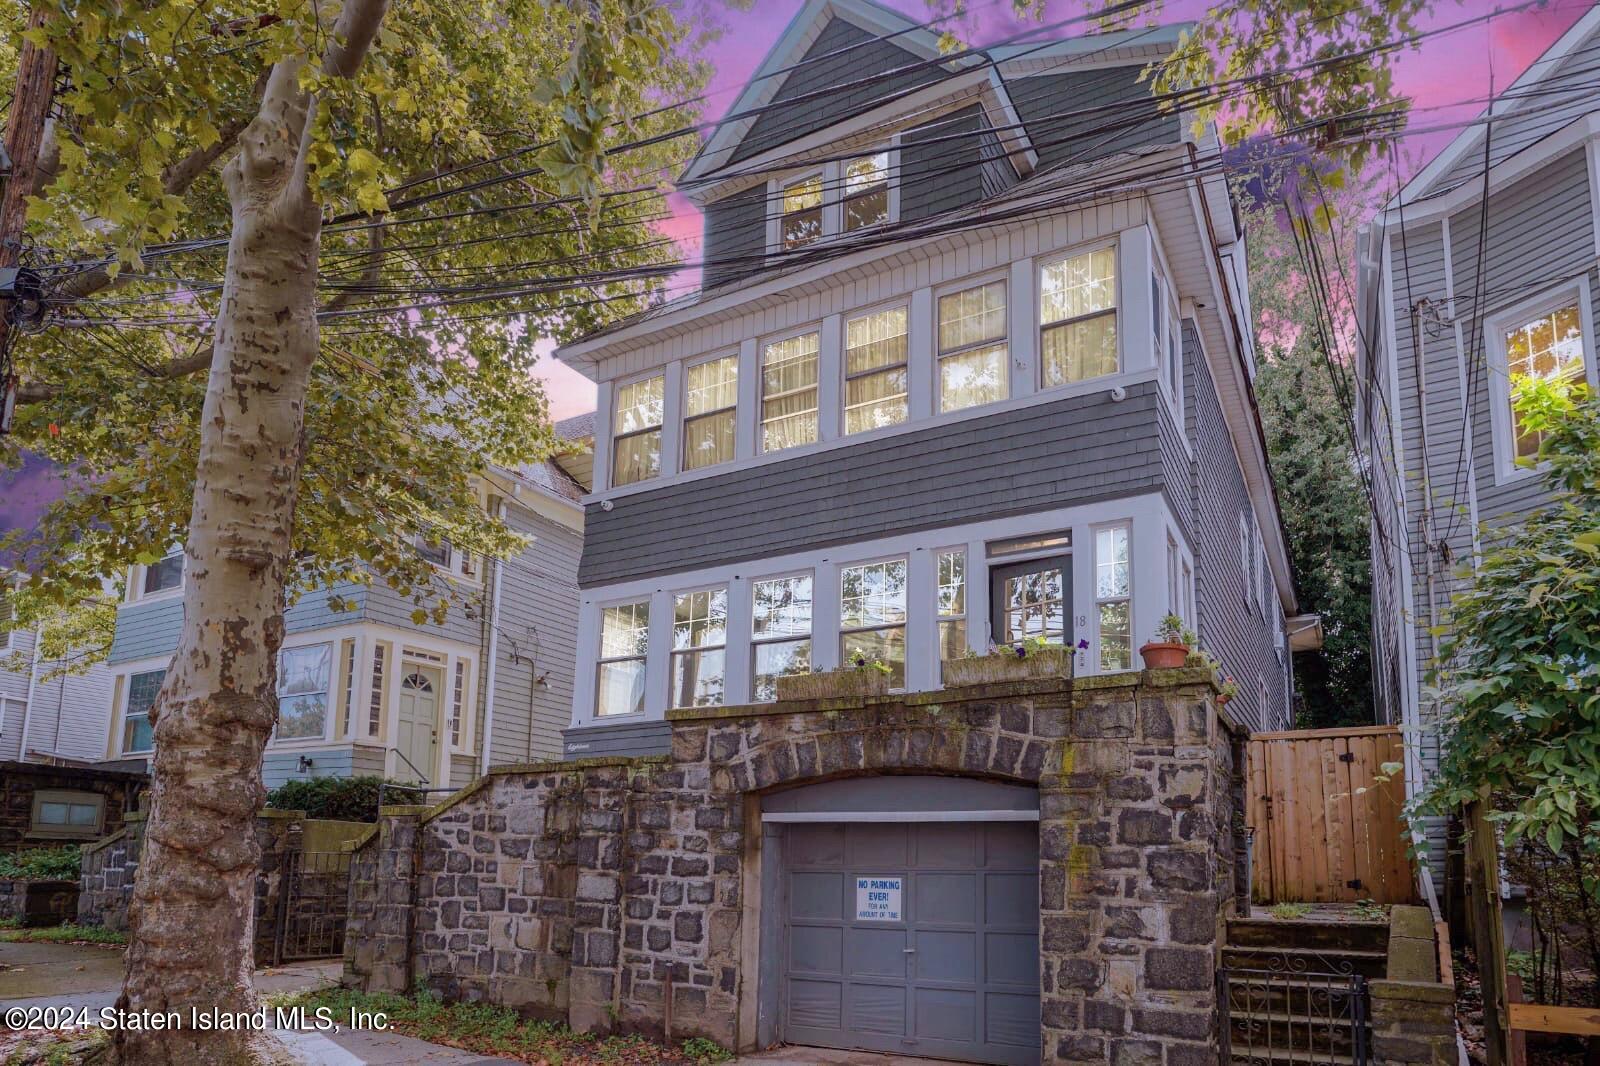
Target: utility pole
[{"x": 30, "y": 110}]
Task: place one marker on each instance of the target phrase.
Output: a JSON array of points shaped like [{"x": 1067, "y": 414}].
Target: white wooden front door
[{"x": 418, "y": 740}]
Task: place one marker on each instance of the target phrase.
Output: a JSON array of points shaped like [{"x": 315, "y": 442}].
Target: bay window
[
  {"x": 1112, "y": 597},
  {"x": 872, "y": 615},
  {"x": 875, "y": 371},
  {"x": 304, "y": 676},
  {"x": 699, "y": 648},
  {"x": 624, "y": 639},
  {"x": 801, "y": 221},
  {"x": 636, "y": 431},
  {"x": 780, "y": 632},
  {"x": 952, "y": 604},
  {"x": 973, "y": 354},
  {"x": 710, "y": 408},
  {"x": 866, "y": 191},
  {"x": 1078, "y": 317},
  {"x": 789, "y": 392}
]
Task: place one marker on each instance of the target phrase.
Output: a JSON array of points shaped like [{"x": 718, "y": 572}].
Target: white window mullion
[
  {"x": 923, "y": 373},
  {"x": 922, "y": 621},
  {"x": 672, "y": 426},
  {"x": 830, "y": 378},
  {"x": 602, "y": 438},
  {"x": 658, "y": 657},
  {"x": 737, "y": 680},
  {"x": 748, "y": 417},
  {"x": 825, "y": 618},
  {"x": 1024, "y": 347}
]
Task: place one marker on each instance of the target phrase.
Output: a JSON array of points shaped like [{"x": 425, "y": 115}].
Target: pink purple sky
[{"x": 1442, "y": 73}]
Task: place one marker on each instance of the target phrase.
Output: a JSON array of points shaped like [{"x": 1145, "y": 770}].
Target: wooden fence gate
[{"x": 1327, "y": 827}]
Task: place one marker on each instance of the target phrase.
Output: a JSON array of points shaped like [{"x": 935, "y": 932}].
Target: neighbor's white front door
[{"x": 418, "y": 740}]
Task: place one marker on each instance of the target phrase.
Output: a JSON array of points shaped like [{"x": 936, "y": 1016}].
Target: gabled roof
[
  {"x": 789, "y": 49},
  {"x": 1543, "y": 114}
]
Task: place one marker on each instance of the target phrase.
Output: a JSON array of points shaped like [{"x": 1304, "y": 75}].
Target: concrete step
[
  {"x": 1308, "y": 933},
  {"x": 1291, "y": 962}
]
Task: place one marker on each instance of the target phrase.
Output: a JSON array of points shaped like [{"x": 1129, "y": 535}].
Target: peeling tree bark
[{"x": 191, "y": 917}]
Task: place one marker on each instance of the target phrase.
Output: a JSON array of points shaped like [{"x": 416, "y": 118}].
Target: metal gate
[
  {"x": 1293, "y": 1011},
  {"x": 313, "y": 902}
]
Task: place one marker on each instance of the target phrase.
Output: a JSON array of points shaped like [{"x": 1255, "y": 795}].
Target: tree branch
[
  {"x": 369, "y": 276},
  {"x": 193, "y": 363}
]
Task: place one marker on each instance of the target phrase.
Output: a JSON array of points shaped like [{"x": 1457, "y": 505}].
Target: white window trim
[
  {"x": 1002, "y": 277},
  {"x": 1506, "y": 471},
  {"x": 5, "y": 703},
  {"x": 1094, "y": 593},
  {"x": 119, "y": 720},
  {"x": 663, "y": 469},
  {"x": 762, "y": 344},
  {"x": 684, "y": 416},
  {"x": 136, "y": 592},
  {"x": 1117, "y": 310},
  {"x": 752, "y": 641},
  {"x": 833, "y": 197},
  {"x": 1148, "y": 514},
  {"x": 867, "y": 311},
  {"x": 599, "y": 660},
  {"x": 1246, "y": 559}
]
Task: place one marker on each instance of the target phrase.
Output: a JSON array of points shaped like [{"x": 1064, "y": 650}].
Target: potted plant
[
  {"x": 1170, "y": 649},
  {"x": 859, "y": 676},
  {"x": 1229, "y": 690},
  {"x": 1024, "y": 660}
]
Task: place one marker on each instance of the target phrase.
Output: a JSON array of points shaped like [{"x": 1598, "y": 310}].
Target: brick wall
[{"x": 585, "y": 891}]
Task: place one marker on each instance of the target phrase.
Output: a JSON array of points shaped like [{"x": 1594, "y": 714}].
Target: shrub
[
  {"x": 42, "y": 864},
  {"x": 353, "y": 799}
]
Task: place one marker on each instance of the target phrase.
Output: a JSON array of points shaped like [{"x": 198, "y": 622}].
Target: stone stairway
[{"x": 1296, "y": 990}]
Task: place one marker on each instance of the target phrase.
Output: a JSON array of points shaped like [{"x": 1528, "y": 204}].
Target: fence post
[{"x": 1482, "y": 856}]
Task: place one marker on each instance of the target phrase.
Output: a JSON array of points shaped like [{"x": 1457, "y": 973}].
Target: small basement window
[{"x": 59, "y": 813}]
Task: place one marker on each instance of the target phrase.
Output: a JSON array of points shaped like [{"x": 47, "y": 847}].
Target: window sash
[
  {"x": 801, "y": 204},
  {"x": 138, "y": 736},
  {"x": 789, "y": 393},
  {"x": 709, "y": 439},
  {"x": 636, "y": 457},
  {"x": 620, "y": 671},
  {"x": 780, "y": 632},
  {"x": 1544, "y": 347},
  {"x": 165, "y": 575},
  {"x": 877, "y": 378},
  {"x": 711, "y": 402},
  {"x": 1113, "y": 588},
  {"x": 951, "y": 603}
]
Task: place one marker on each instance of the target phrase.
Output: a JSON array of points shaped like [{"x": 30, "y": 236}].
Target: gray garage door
[{"x": 915, "y": 939}]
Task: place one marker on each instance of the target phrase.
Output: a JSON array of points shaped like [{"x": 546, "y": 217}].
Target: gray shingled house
[
  {"x": 366, "y": 690},
  {"x": 971, "y": 363},
  {"x": 1481, "y": 270}
]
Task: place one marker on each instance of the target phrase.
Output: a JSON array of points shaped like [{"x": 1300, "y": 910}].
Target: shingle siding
[
  {"x": 1084, "y": 115},
  {"x": 632, "y": 738},
  {"x": 1238, "y": 634},
  {"x": 384, "y": 605},
  {"x": 942, "y": 164},
  {"x": 736, "y": 237},
  {"x": 1058, "y": 454},
  {"x": 843, "y": 57}
]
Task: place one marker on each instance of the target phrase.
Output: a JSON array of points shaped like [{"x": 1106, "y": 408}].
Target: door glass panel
[{"x": 1034, "y": 606}]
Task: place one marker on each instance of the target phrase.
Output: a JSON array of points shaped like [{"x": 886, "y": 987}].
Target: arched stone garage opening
[{"x": 900, "y": 914}]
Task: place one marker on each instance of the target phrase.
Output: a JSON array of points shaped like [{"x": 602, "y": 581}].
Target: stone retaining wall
[
  {"x": 36, "y": 903},
  {"x": 585, "y": 891}
]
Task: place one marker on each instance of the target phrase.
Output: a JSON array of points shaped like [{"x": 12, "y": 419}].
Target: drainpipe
[
  {"x": 27, "y": 706},
  {"x": 492, "y": 654}
]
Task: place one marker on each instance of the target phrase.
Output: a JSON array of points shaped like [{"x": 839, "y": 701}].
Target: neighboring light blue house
[
  {"x": 366, "y": 690},
  {"x": 972, "y": 362},
  {"x": 1457, "y": 299}
]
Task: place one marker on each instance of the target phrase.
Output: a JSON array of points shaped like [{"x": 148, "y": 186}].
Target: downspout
[
  {"x": 27, "y": 705},
  {"x": 493, "y": 653}
]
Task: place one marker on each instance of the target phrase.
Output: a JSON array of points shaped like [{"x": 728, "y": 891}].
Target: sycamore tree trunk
[{"x": 192, "y": 914}]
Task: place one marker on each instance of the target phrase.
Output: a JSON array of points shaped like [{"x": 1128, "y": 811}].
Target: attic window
[
  {"x": 866, "y": 191},
  {"x": 802, "y": 211}
]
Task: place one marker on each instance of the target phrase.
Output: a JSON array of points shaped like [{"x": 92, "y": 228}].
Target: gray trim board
[{"x": 626, "y": 738}]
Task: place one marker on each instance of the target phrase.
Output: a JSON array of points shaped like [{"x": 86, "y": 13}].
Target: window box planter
[
  {"x": 844, "y": 683},
  {"x": 1007, "y": 665},
  {"x": 1164, "y": 655},
  {"x": 39, "y": 903}
]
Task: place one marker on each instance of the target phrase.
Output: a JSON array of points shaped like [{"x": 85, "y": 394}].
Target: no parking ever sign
[{"x": 878, "y": 899}]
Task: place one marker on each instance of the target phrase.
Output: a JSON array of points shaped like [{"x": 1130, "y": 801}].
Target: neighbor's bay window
[
  {"x": 1078, "y": 317},
  {"x": 699, "y": 648},
  {"x": 710, "y": 407},
  {"x": 636, "y": 430},
  {"x": 972, "y": 347},
  {"x": 952, "y": 604},
  {"x": 1546, "y": 348},
  {"x": 304, "y": 679},
  {"x": 1113, "y": 597},
  {"x": 164, "y": 575},
  {"x": 872, "y": 615},
  {"x": 866, "y": 191},
  {"x": 875, "y": 370},
  {"x": 780, "y": 632},
  {"x": 624, "y": 639},
  {"x": 137, "y": 734},
  {"x": 801, "y": 219},
  {"x": 789, "y": 392}
]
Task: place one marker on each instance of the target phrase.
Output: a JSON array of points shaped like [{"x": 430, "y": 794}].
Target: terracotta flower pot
[{"x": 1163, "y": 656}]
